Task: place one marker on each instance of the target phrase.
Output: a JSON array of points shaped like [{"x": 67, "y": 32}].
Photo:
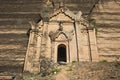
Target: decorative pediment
[
  {"x": 61, "y": 35},
  {"x": 54, "y": 35},
  {"x": 62, "y": 14},
  {"x": 61, "y": 17}
]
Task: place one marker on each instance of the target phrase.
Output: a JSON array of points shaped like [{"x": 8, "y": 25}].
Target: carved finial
[
  {"x": 60, "y": 26},
  {"x": 61, "y": 4},
  {"x": 50, "y": 3}
]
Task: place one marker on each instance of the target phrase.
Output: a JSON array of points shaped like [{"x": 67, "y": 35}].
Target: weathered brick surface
[{"x": 14, "y": 16}]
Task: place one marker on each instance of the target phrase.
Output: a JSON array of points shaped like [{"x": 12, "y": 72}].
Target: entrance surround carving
[{"x": 63, "y": 27}]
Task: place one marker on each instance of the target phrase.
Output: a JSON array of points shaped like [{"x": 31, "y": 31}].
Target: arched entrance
[{"x": 61, "y": 53}]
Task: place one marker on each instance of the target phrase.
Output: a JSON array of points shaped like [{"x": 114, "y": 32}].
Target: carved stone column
[{"x": 32, "y": 61}]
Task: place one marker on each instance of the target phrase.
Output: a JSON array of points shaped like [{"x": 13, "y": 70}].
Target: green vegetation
[
  {"x": 55, "y": 70},
  {"x": 38, "y": 76},
  {"x": 117, "y": 64},
  {"x": 27, "y": 76}
]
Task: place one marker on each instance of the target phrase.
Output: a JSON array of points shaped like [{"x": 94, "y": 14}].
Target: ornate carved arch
[{"x": 54, "y": 35}]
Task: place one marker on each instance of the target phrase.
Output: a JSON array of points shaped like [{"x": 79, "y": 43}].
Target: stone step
[
  {"x": 11, "y": 46},
  {"x": 103, "y": 52},
  {"x": 20, "y": 9},
  {"x": 108, "y": 34},
  {"x": 110, "y": 38},
  {"x": 11, "y": 63},
  {"x": 108, "y": 50},
  {"x": 13, "y": 53},
  {"x": 105, "y": 13},
  {"x": 14, "y": 42},
  {"x": 109, "y": 46},
  {"x": 109, "y": 58},
  {"x": 76, "y": 1},
  {"x": 106, "y": 26},
  {"x": 84, "y": 10},
  {"x": 106, "y": 16},
  {"x": 20, "y": 1},
  {"x": 11, "y": 67},
  {"x": 12, "y": 35},
  {"x": 20, "y": 6},
  {"x": 13, "y": 31},
  {"x": 87, "y": 5},
  {"x": 106, "y": 41},
  {"x": 12, "y": 58},
  {"x": 18, "y": 20},
  {"x": 20, "y": 16},
  {"x": 107, "y": 19},
  {"x": 108, "y": 4},
  {"x": 14, "y": 25},
  {"x": 107, "y": 10},
  {"x": 109, "y": 29},
  {"x": 107, "y": 54},
  {"x": 108, "y": 7},
  {"x": 12, "y": 28},
  {"x": 107, "y": 22},
  {"x": 23, "y": 44},
  {"x": 6, "y": 77}
]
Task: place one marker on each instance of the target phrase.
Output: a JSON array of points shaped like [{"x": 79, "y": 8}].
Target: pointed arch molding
[{"x": 55, "y": 35}]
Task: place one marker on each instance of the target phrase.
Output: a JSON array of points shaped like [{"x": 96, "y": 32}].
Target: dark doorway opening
[{"x": 61, "y": 56}]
